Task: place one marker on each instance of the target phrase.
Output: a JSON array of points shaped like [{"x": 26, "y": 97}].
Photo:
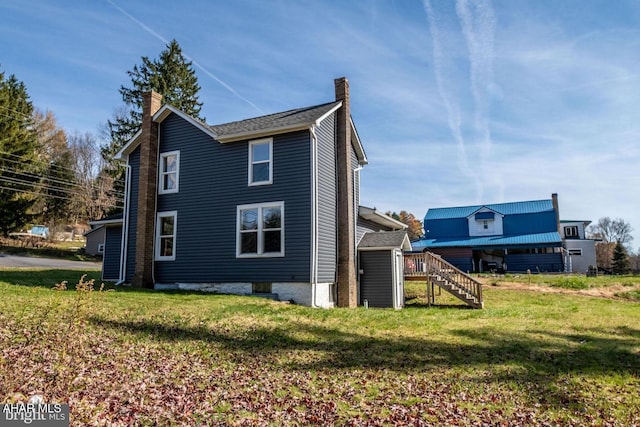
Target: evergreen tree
[
  {"x": 19, "y": 179},
  {"x": 620, "y": 263},
  {"x": 173, "y": 77}
]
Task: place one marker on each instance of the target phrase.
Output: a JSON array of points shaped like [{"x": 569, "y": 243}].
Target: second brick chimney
[
  {"x": 147, "y": 187},
  {"x": 347, "y": 284}
]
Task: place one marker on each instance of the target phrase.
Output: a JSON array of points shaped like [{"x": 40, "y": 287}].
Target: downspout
[
  {"x": 155, "y": 215},
  {"x": 125, "y": 224},
  {"x": 356, "y": 209},
  {"x": 314, "y": 216}
]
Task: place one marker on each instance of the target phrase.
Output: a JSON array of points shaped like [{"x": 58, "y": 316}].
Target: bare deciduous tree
[
  {"x": 609, "y": 232},
  {"x": 93, "y": 191}
]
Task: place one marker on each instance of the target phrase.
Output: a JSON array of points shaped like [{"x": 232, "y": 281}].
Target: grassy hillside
[{"x": 133, "y": 357}]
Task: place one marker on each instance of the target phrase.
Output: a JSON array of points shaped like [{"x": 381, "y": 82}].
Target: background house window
[
  {"x": 577, "y": 252},
  {"x": 260, "y": 230},
  {"x": 166, "y": 236},
  {"x": 169, "y": 168},
  {"x": 571, "y": 231},
  {"x": 100, "y": 248},
  {"x": 260, "y": 162},
  {"x": 485, "y": 226}
]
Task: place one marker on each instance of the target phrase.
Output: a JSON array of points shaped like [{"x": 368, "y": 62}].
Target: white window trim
[
  {"x": 270, "y": 161},
  {"x": 259, "y": 206},
  {"x": 160, "y": 215},
  {"x": 571, "y": 229},
  {"x": 161, "y": 173}
]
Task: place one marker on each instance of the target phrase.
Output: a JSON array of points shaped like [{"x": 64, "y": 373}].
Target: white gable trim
[
  {"x": 357, "y": 144},
  {"x": 328, "y": 113},
  {"x": 159, "y": 117}
]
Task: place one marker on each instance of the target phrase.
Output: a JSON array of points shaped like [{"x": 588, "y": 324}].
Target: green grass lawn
[{"x": 135, "y": 357}]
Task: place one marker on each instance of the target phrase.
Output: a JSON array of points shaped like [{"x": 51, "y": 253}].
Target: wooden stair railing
[{"x": 445, "y": 275}]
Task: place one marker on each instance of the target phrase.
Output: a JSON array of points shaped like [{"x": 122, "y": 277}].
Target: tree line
[
  {"x": 614, "y": 252},
  {"x": 54, "y": 177}
]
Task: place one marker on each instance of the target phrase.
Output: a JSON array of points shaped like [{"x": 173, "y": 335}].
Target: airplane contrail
[{"x": 194, "y": 62}]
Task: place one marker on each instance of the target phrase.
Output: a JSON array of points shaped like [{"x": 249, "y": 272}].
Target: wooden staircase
[{"x": 438, "y": 272}]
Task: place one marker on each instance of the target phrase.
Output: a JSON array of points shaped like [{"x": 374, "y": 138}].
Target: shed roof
[
  {"x": 111, "y": 219},
  {"x": 513, "y": 208},
  {"x": 385, "y": 240}
]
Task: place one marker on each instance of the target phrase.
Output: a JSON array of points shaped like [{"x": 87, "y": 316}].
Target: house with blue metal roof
[{"x": 515, "y": 237}]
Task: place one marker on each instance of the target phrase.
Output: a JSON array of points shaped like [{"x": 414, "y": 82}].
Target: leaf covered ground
[{"x": 127, "y": 357}]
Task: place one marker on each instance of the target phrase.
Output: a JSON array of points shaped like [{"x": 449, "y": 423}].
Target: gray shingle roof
[
  {"x": 298, "y": 117},
  {"x": 383, "y": 239}
]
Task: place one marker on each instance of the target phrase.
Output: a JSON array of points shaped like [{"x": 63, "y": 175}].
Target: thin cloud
[
  {"x": 452, "y": 107},
  {"x": 478, "y": 27},
  {"x": 196, "y": 63}
]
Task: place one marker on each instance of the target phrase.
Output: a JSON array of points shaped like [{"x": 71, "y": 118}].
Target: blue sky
[{"x": 456, "y": 102}]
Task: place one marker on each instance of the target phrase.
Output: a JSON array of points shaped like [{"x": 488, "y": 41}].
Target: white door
[{"x": 398, "y": 279}]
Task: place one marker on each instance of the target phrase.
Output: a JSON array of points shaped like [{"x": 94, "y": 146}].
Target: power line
[
  {"x": 48, "y": 165},
  {"x": 37, "y": 186},
  {"x": 71, "y": 189},
  {"x": 49, "y": 179},
  {"x": 48, "y": 195},
  {"x": 70, "y": 183}
]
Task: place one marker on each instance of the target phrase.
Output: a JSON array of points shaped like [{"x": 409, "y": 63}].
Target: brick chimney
[
  {"x": 147, "y": 186},
  {"x": 347, "y": 285}
]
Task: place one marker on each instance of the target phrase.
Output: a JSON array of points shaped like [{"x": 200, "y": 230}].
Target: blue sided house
[
  {"x": 513, "y": 237},
  {"x": 267, "y": 206}
]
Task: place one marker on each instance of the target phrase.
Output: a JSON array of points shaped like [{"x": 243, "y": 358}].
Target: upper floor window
[
  {"x": 166, "y": 236},
  {"x": 261, "y": 161},
  {"x": 169, "y": 170},
  {"x": 260, "y": 230},
  {"x": 485, "y": 226},
  {"x": 571, "y": 232}
]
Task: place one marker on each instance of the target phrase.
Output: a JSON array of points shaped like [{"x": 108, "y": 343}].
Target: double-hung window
[
  {"x": 166, "y": 236},
  {"x": 169, "y": 170},
  {"x": 261, "y": 161},
  {"x": 260, "y": 230}
]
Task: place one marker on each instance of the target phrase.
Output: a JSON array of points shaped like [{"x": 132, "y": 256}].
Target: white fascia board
[
  {"x": 484, "y": 209},
  {"x": 167, "y": 109},
  {"x": 128, "y": 147},
  {"x": 380, "y": 218},
  {"x": 328, "y": 113},
  {"x": 159, "y": 117},
  {"x": 358, "y": 144}
]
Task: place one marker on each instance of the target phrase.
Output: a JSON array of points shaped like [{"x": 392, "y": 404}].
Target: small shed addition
[{"x": 382, "y": 268}]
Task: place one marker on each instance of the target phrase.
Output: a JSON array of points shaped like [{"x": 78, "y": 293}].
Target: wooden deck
[{"x": 435, "y": 271}]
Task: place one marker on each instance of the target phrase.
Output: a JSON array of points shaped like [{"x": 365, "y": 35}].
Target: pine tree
[
  {"x": 620, "y": 263},
  {"x": 19, "y": 180},
  {"x": 173, "y": 77}
]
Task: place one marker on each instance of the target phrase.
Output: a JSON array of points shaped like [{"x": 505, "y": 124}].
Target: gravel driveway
[{"x": 62, "y": 264}]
